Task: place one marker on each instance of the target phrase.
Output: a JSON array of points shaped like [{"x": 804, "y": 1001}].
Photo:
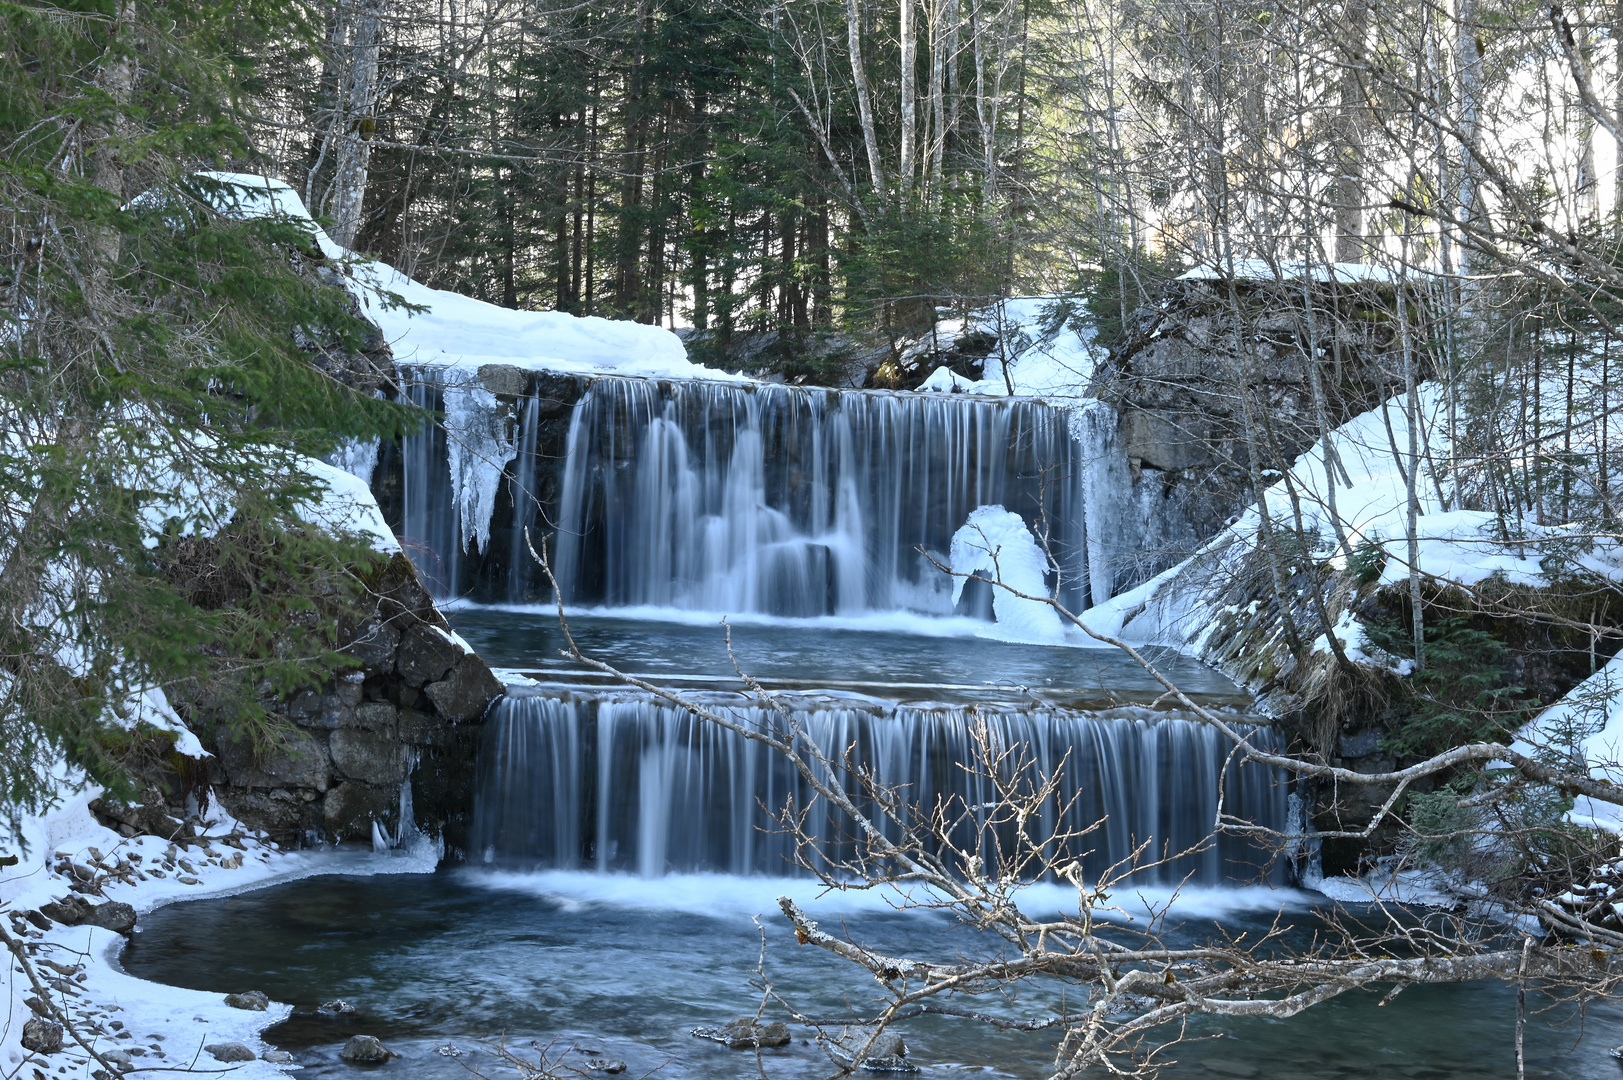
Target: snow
[
  {"x": 1584, "y": 731},
  {"x": 456, "y": 331},
  {"x": 1055, "y": 364},
  {"x": 1344, "y": 273},
  {"x": 170, "y": 1024},
  {"x": 996, "y": 543},
  {"x": 346, "y": 504}
]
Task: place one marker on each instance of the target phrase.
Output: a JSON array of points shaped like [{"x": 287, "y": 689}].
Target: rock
[
  {"x": 277, "y": 1057},
  {"x": 426, "y": 655},
  {"x": 252, "y": 1000},
  {"x": 122, "y": 1060},
  {"x": 605, "y": 1065},
  {"x": 37, "y": 918},
  {"x": 503, "y": 379},
  {"x": 1359, "y": 744},
  {"x": 351, "y": 807},
  {"x": 336, "y": 1007},
  {"x": 69, "y": 912},
  {"x": 419, "y": 728},
  {"x": 375, "y": 716},
  {"x": 747, "y": 1034},
  {"x": 374, "y": 644},
  {"x": 1165, "y": 440},
  {"x": 300, "y": 762},
  {"x": 42, "y": 1036},
  {"x": 231, "y": 1051},
  {"x": 115, "y": 915},
  {"x": 462, "y": 696},
  {"x": 368, "y": 756},
  {"x": 364, "y": 1050},
  {"x": 887, "y": 1054}
]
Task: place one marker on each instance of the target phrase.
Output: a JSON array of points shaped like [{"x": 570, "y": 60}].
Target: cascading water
[
  {"x": 616, "y": 782},
  {"x": 730, "y": 497}
]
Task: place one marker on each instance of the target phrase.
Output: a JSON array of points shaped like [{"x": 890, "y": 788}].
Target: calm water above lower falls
[{"x": 627, "y": 967}]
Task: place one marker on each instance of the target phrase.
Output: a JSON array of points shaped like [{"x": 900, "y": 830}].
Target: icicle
[{"x": 480, "y": 444}]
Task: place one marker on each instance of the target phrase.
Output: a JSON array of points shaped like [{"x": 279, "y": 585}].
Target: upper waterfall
[{"x": 732, "y": 497}]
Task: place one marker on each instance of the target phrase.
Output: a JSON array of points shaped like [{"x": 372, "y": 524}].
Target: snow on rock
[
  {"x": 1584, "y": 732},
  {"x": 358, "y": 457},
  {"x": 346, "y": 504},
  {"x": 1048, "y": 356},
  {"x": 456, "y": 331},
  {"x": 995, "y": 543},
  {"x": 170, "y": 1025}
]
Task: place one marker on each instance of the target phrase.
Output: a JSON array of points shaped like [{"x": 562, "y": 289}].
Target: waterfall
[
  {"x": 619, "y": 782},
  {"x": 797, "y": 502}
]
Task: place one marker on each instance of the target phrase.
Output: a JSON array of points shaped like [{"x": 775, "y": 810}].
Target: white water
[{"x": 622, "y": 783}]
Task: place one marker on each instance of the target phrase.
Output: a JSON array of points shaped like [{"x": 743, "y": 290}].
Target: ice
[
  {"x": 995, "y": 542},
  {"x": 480, "y": 443}
]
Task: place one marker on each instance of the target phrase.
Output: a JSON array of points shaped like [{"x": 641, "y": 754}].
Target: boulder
[
  {"x": 605, "y": 1065},
  {"x": 69, "y": 912},
  {"x": 115, "y": 915},
  {"x": 278, "y": 1057},
  {"x": 427, "y": 653},
  {"x": 375, "y": 644},
  {"x": 350, "y": 808},
  {"x": 888, "y": 1052},
  {"x": 504, "y": 379},
  {"x": 419, "y": 728},
  {"x": 365, "y": 1050},
  {"x": 230, "y": 1051},
  {"x": 463, "y": 695},
  {"x": 377, "y": 716},
  {"x": 42, "y": 1036},
  {"x": 369, "y": 756},
  {"x": 748, "y": 1034},
  {"x": 300, "y": 761},
  {"x": 252, "y": 1000}
]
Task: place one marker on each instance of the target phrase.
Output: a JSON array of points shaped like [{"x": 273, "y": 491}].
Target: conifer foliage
[{"x": 152, "y": 389}]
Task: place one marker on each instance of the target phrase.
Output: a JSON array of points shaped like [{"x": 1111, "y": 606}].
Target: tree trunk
[
  {"x": 859, "y": 76},
  {"x": 356, "y": 123}
]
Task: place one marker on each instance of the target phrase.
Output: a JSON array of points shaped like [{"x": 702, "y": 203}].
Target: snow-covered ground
[
  {"x": 458, "y": 332},
  {"x": 124, "y": 1018},
  {"x": 1047, "y": 357}
]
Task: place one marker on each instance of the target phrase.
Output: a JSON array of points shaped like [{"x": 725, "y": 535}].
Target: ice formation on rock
[
  {"x": 995, "y": 543},
  {"x": 479, "y": 442}
]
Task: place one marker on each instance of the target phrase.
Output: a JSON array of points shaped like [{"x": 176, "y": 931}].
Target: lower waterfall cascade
[{"x": 618, "y": 782}]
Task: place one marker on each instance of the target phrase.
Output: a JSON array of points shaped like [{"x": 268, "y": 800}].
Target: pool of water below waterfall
[
  {"x": 625, "y": 968},
  {"x": 822, "y": 652}
]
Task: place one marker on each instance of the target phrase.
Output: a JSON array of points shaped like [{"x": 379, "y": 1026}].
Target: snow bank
[
  {"x": 161, "y": 1027},
  {"x": 1047, "y": 357},
  {"x": 1343, "y": 273},
  {"x": 458, "y": 331},
  {"x": 996, "y": 543}
]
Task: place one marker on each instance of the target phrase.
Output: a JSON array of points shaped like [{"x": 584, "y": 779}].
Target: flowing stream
[{"x": 620, "y": 850}]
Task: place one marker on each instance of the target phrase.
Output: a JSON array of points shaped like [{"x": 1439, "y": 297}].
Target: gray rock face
[
  {"x": 230, "y": 1051},
  {"x": 462, "y": 696},
  {"x": 503, "y": 379},
  {"x": 364, "y": 1050},
  {"x": 369, "y": 756},
  {"x": 116, "y": 916},
  {"x": 42, "y": 1036},
  {"x": 1165, "y": 440},
  {"x": 377, "y": 716},
  {"x": 300, "y": 762},
  {"x": 252, "y": 1000},
  {"x": 426, "y": 655},
  {"x": 375, "y": 644},
  {"x": 351, "y": 807}
]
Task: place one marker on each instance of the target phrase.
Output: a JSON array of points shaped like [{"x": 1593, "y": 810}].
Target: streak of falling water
[{"x": 624, "y": 783}]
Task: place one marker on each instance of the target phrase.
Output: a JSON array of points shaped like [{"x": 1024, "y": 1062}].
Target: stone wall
[
  {"x": 1182, "y": 379},
  {"x": 411, "y": 712}
]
